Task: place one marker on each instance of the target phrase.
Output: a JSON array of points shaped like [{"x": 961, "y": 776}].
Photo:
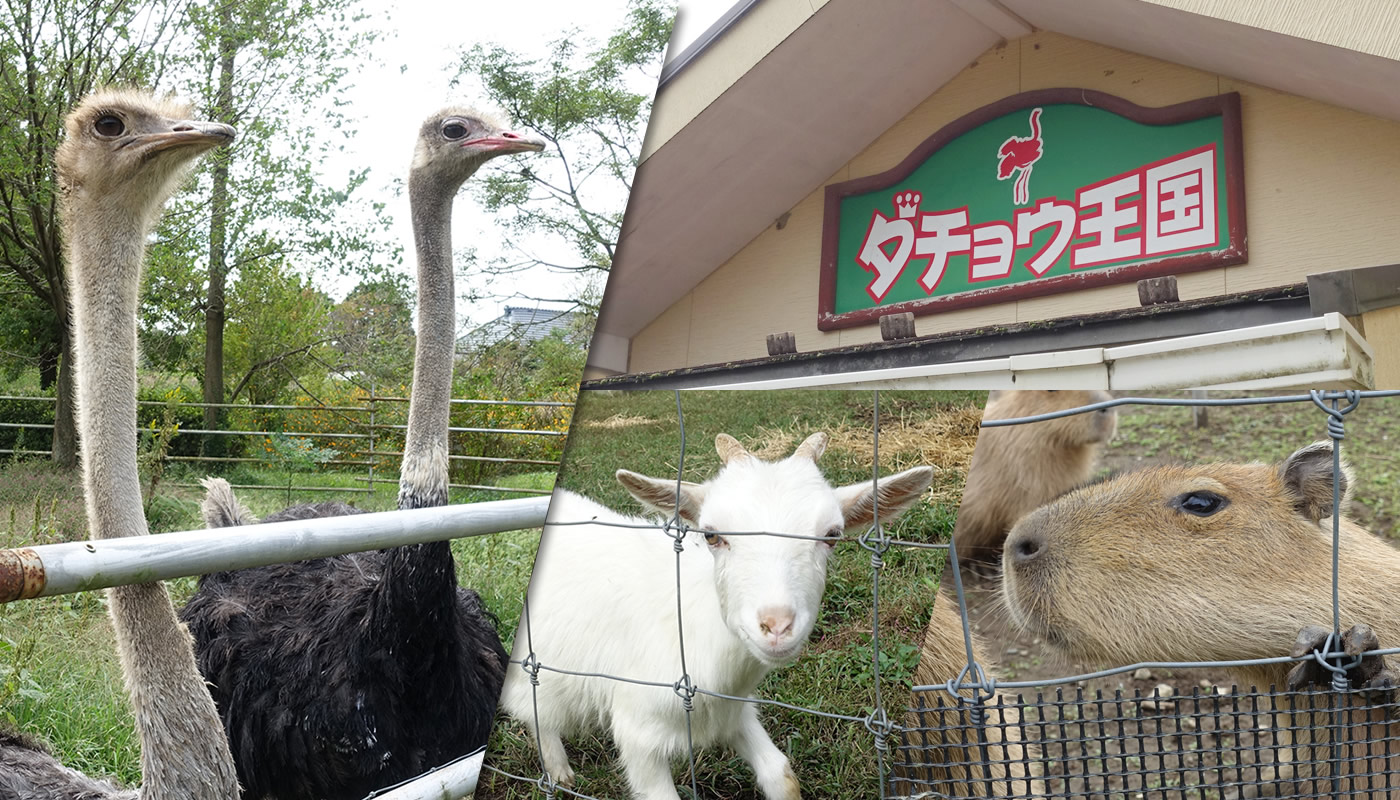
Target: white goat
[{"x": 603, "y": 600}]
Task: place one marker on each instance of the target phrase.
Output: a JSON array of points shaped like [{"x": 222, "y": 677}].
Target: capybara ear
[{"x": 1307, "y": 474}]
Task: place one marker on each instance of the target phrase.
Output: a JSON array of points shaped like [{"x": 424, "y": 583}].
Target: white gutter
[{"x": 1318, "y": 352}]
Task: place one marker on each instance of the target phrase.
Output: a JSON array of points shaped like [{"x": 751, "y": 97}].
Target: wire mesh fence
[
  {"x": 489, "y": 438},
  {"x": 976, "y": 737}
]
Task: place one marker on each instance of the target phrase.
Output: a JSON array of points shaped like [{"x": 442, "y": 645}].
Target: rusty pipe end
[{"x": 21, "y": 574}]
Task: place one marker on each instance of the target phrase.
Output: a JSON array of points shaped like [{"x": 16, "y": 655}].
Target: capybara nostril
[
  {"x": 1025, "y": 546},
  {"x": 776, "y": 621}
]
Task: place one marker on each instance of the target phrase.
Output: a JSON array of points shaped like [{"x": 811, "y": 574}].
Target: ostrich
[
  {"x": 124, "y": 154},
  {"x": 339, "y": 676}
]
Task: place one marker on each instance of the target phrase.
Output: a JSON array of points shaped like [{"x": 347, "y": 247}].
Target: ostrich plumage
[
  {"x": 124, "y": 154},
  {"x": 339, "y": 676}
]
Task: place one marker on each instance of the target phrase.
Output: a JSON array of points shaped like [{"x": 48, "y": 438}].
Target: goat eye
[
  {"x": 713, "y": 539},
  {"x": 454, "y": 130},
  {"x": 1202, "y": 504},
  {"x": 109, "y": 126}
]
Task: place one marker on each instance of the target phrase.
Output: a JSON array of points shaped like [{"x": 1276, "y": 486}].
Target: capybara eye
[
  {"x": 454, "y": 130},
  {"x": 1202, "y": 504},
  {"x": 109, "y": 126}
]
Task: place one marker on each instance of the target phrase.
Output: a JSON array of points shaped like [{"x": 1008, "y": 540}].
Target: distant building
[{"x": 518, "y": 322}]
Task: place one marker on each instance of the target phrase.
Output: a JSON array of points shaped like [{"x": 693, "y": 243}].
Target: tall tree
[
  {"x": 52, "y": 53},
  {"x": 592, "y": 106},
  {"x": 271, "y": 68}
]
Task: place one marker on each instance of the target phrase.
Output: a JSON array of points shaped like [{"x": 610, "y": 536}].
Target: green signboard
[{"x": 1043, "y": 192}]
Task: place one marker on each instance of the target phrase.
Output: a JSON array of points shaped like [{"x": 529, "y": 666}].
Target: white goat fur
[{"x": 602, "y": 599}]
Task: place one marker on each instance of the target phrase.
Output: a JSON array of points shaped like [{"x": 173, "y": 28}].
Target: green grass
[
  {"x": 59, "y": 676},
  {"x": 638, "y": 430}
]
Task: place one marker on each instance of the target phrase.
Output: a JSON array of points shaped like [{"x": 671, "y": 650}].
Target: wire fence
[
  {"x": 970, "y": 737},
  {"x": 366, "y": 438}
]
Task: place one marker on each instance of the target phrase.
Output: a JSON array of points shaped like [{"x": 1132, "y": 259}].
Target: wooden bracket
[
  {"x": 780, "y": 344},
  {"x": 1155, "y": 291},
  {"x": 897, "y": 326}
]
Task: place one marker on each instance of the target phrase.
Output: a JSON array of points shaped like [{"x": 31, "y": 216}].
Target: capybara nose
[
  {"x": 776, "y": 621},
  {"x": 1024, "y": 545}
]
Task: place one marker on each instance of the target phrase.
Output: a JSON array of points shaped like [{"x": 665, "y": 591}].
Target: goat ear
[
  {"x": 812, "y": 448},
  {"x": 659, "y": 495},
  {"x": 1307, "y": 475},
  {"x": 729, "y": 449},
  {"x": 897, "y": 493}
]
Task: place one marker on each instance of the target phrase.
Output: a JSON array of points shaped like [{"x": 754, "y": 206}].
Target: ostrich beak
[
  {"x": 507, "y": 142},
  {"x": 186, "y": 133}
]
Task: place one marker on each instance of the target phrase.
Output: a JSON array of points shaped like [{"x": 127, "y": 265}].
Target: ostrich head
[
  {"x": 128, "y": 150},
  {"x": 456, "y": 141}
]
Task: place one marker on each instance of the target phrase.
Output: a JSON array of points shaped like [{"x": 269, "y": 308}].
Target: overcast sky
[{"x": 406, "y": 78}]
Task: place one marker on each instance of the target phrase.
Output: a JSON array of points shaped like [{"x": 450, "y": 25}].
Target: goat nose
[{"x": 776, "y": 621}]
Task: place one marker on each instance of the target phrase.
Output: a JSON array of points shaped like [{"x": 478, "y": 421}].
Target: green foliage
[
  {"x": 590, "y": 102},
  {"x": 155, "y": 446},
  {"x": 373, "y": 331},
  {"x": 277, "y": 333},
  {"x": 297, "y": 454}
]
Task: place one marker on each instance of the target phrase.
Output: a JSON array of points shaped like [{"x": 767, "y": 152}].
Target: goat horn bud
[
  {"x": 729, "y": 448},
  {"x": 813, "y": 447}
]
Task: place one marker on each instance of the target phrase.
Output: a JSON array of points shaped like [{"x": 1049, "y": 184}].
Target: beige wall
[{"x": 1320, "y": 194}]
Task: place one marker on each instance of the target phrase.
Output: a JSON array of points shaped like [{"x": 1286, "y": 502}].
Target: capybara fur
[
  {"x": 1206, "y": 563},
  {"x": 943, "y": 756},
  {"x": 1018, "y": 468}
]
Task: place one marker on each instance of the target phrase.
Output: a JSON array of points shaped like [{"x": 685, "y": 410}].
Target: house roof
[{"x": 783, "y": 96}]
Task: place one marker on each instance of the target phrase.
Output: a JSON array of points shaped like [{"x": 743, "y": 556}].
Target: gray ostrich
[
  {"x": 339, "y": 676},
  {"x": 124, "y": 154}
]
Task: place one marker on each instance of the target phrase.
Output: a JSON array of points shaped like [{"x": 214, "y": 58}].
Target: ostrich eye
[
  {"x": 109, "y": 126},
  {"x": 1202, "y": 504},
  {"x": 454, "y": 130}
]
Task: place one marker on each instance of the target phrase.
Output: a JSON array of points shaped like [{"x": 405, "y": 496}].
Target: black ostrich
[{"x": 338, "y": 676}]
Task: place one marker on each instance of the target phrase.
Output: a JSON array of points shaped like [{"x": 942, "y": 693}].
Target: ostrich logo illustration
[{"x": 1021, "y": 153}]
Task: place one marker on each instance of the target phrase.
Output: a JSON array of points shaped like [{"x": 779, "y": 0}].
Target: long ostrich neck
[
  {"x": 420, "y": 580},
  {"x": 183, "y": 750},
  {"x": 423, "y": 481}
]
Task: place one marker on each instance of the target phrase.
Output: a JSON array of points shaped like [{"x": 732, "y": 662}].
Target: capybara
[
  {"x": 1213, "y": 562},
  {"x": 1018, "y": 468},
  {"x": 943, "y": 755}
]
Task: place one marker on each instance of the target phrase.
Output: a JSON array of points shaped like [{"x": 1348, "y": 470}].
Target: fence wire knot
[
  {"x": 547, "y": 785},
  {"x": 877, "y": 543},
  {"x": 1331, "y": 657},
  {"x": 982, "y": 686},
  {"x": 1336, "y": 427},
  {"x": 531, "y": 665},
  {"x": 880, "y": 726},
  {"x": 685, "y": 690},
  {"x": 676, "y": 528}
]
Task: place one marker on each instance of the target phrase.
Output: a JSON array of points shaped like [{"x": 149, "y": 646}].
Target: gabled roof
[{"x": 778, "y": 102}]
